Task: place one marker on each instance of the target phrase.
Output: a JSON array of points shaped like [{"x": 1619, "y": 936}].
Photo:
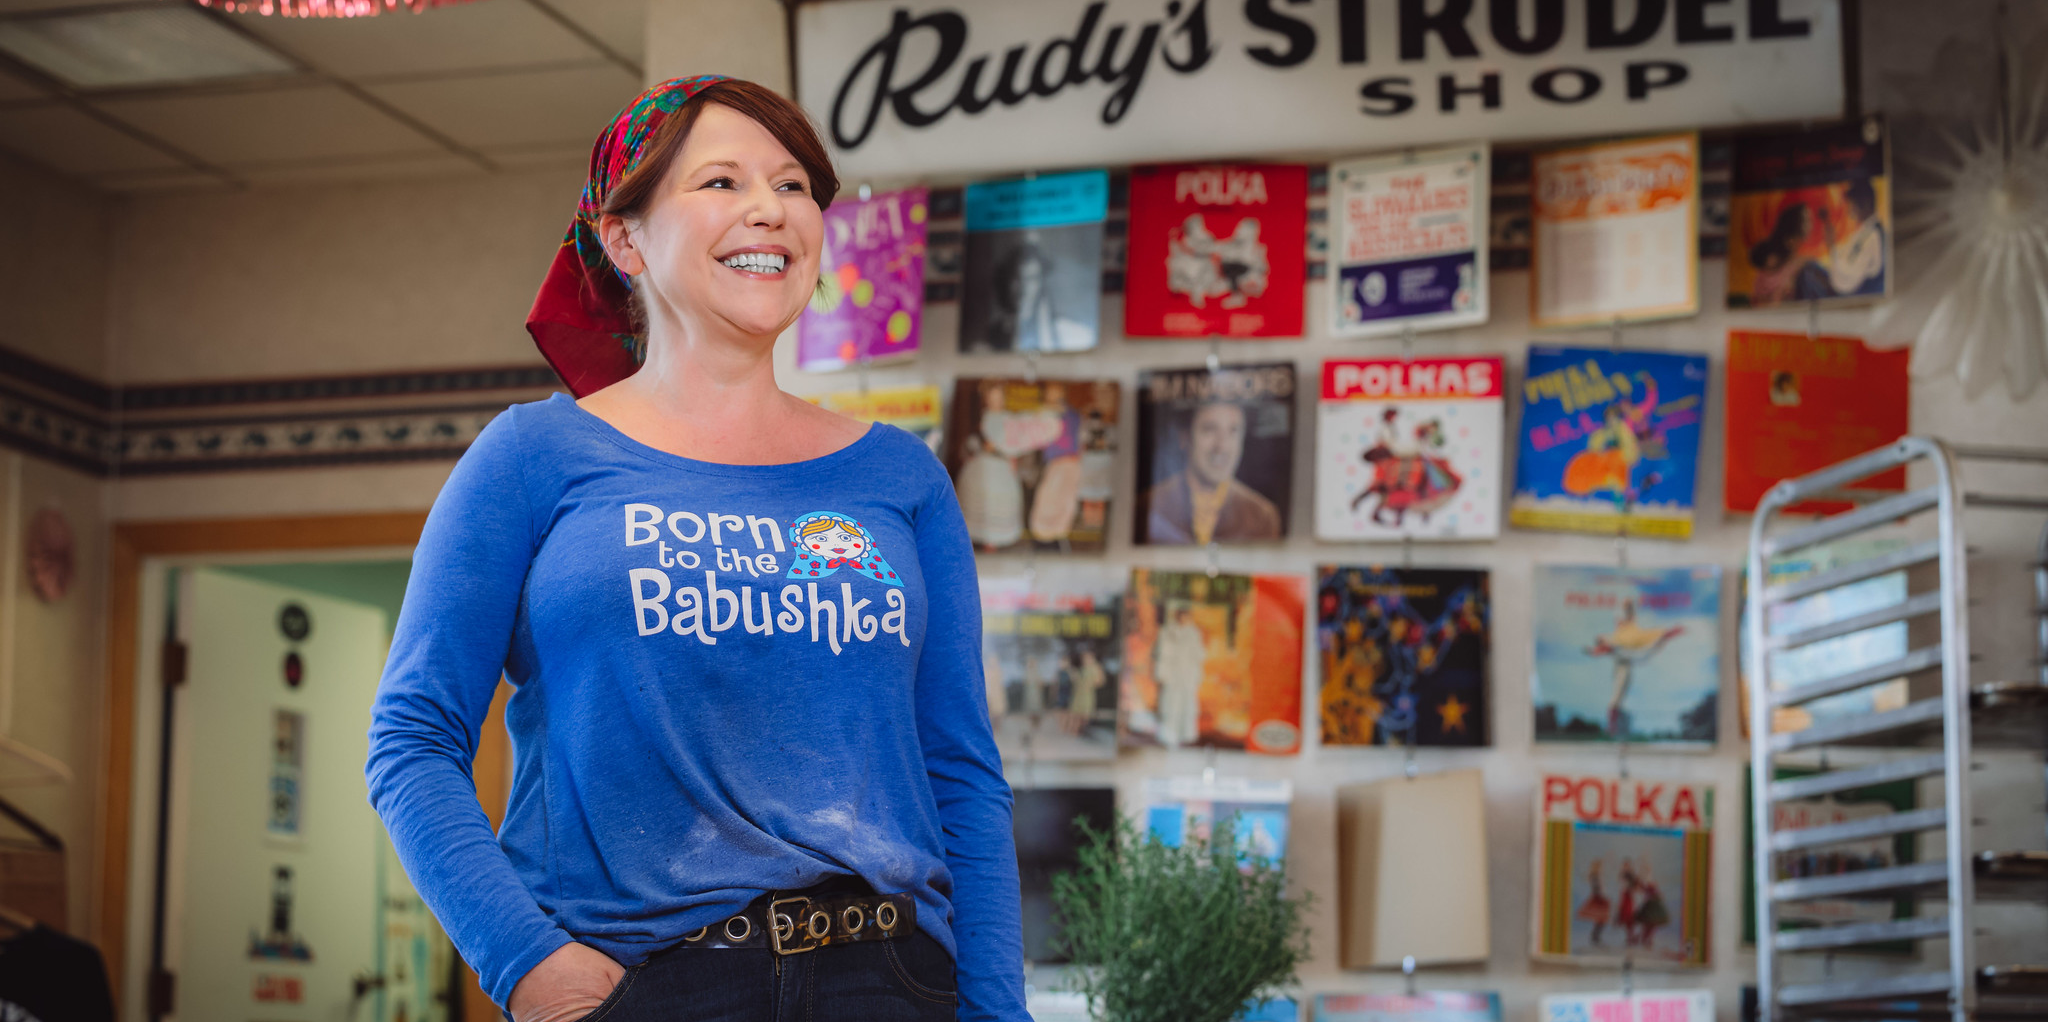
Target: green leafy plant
[{"x": 1185, "y": 934}]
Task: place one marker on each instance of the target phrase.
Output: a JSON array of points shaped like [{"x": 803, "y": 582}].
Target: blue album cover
[
  {"x": 1031, "y": 276},
  {"x": 1610, "y": 441},
  {"x": 1627, "y": 654}
]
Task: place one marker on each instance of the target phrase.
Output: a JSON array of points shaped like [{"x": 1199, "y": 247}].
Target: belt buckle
[{"x": 776, "y": 922}]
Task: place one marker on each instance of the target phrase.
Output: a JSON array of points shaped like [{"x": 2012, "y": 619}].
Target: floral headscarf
[{"x": 579, "y": 319}]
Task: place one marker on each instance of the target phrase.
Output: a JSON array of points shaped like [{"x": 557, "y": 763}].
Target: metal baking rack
[{"x": 1946, "y": 715}]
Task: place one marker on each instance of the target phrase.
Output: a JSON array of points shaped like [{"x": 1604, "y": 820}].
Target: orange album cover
[
  {"x": 1798, "y": 403},
  {"x": 1212, "y": 660}
]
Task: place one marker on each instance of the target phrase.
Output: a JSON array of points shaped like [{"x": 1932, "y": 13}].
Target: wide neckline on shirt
[{"x": 656, "y": 454}]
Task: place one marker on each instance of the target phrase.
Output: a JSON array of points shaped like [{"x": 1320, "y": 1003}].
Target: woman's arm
[
  {"x": 965, "y": 771},
  {"x": 447, "y": 653}
]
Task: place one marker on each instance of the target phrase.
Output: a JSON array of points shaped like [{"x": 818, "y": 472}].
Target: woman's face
[
  {"x": 836, "y": 542},
  {"x": 732, "y": 237}
]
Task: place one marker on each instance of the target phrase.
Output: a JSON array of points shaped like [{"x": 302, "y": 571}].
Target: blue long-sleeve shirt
[{"x": 729, "y": 679}]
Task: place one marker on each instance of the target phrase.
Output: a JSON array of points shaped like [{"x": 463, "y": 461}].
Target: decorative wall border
[{"x": 245, "y": 425}]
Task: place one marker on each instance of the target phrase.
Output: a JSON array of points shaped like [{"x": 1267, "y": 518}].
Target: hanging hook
[
  {"x": 1407, "y": 550},
  {"x": 1408, "y": 973},
  {"x": 1209, "y": 768},
  {"x": 1407, "y": 342},
  {"x": 1614, "y": 333},
  {"x": 1215, "y": 361},
  {"x": 1031, "y": 365},
  {"x": 1409, "y": 767},
  {"x": 1212, "y": 568},
  {"x": 866, "y": 191},
  {"x": 1621, "y": 754},
  {"x": 1628, "y": 975}
]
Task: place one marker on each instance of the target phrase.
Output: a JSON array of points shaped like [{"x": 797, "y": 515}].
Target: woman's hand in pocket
[{"x": 565, "y": 986}]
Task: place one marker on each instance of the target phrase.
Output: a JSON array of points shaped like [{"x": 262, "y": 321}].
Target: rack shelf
[{"x": 1951, "y": 722}]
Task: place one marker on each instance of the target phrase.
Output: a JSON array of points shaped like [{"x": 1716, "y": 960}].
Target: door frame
[{"x": 134, "y": 544}]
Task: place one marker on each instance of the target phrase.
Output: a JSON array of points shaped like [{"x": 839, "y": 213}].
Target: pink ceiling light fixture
[{"x": 324, "y": 8}]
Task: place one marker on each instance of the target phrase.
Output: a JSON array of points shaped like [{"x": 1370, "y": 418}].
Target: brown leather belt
[{"x": 788, "y": 924}]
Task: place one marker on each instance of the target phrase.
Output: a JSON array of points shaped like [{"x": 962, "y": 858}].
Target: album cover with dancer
[
  {"x": 1217, "y": 250},
  {"x": 1212, "y": 661},
  {"x": 1624, "y": 871},
  {"x": 1404, "y": 655},
  {"x": 1409, "y": 448},
  {"x": 1034, "y": 461},
  {"x": 1050, "y": 656},
  {"x": 1799, "y": 403},
  {"x": 1656, "y": 1006},
  {"x": 1410, "y": 241},
  {"x": 1031, "y": 279},
  {"x": 1425, "y": 1006},
  {"x": 870, "y": 298},
  {"x": 1610, "y": 441},
  {"x": 1810, "y": 216},
  {"x": 1215, "y": 454},
  {"x": 1627, "y": 655}
]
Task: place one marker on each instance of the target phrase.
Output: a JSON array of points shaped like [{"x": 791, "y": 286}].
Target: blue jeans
[{"x": 905, "y": 980}]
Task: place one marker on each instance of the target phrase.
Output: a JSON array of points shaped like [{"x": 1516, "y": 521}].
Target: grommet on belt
[
  {"x": 801, "y": 922},
  {"x": 746, "y": 928}
]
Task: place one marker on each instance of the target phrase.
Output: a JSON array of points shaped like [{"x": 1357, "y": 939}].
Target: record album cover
[
  {"x": 1051, "y": 654},
  {"x": 1624, "y": 870},
  {"x": 914, "y": 410},
  {"x": 1034, "y": 461},
  {"x": 1215, "y": 454},
  {"x": 1835, "y": 859},
  {"x": 1049, "y": 842},
  {"x": 1217, "y": 250},
  {"x": 1826, "y": 658},
  {"x": 1425, "y": 1006},
  {"x": 870, "y": 298},
  {"x": 1810, "y": 216},
  {"x": 1411, "y": 871},
  {"x": 1405, "y": 655},
  {"x": 1032, "y": 274},
  {"x": 1797, "y": 404},
  {"x": 1213, "y": 660},
  {"x": 1616, "y": 229},
  {"x": 1610, "y": 441},
  {"x": 1410, "y": 249},
  {"x": 1656, "y": 1006},
  {"x": 1409, "y": 448},
  {"x": 1177, "y": 808},
  {"x": 1627, "y": 655}
]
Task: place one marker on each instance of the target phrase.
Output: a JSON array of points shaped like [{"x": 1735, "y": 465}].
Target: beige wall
[
  {"x": 741, "y": 38},
  {"x": 319, "y": 280},
  {"x": 53, "y": 268}
]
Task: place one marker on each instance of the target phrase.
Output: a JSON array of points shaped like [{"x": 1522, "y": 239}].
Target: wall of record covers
[{"x": 1556, "y": 583}]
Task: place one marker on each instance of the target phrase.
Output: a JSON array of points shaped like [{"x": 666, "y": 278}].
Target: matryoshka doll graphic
[{"x": 827, "y": 541}]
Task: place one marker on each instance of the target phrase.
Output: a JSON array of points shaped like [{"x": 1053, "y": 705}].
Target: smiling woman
[{"x": 747, "y": 728}]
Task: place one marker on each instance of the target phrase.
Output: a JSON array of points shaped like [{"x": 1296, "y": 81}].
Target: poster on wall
[
  {"x": 1032, "y": 273},
  {"x": 1799, "y": 403},
  {"x": 978, "y": 86},
  {"x": 1033, "y": 461},
  {"x": 870, "y": 297},
  {"x": 1836, "y": 655},
  {"x": 1624, "y": 868},
  {"x": 1213, "y": 661},
  {"x": 914, "y": 410},
  {"x": 1217, "y": 250},
  {"x": 1657, "y": 1006},
  {"x": 1404, "y": 655},
  {"x": 1616, "y": 229},
  {"x": 287, "y": 773},
  {"x": 1610, "y": 441},
  {"x": 1833, "y": 809},
  {"x": 1177, "y": 808},
  {"x": 1042, "y": 822},
  {"x": 1424, "y": 1006},
  {"x": 1409, "y": 448},
  {"x": 1810, "y": 217},
  {"x": 1051, "y": 654},
  {"x": 1627, "y": 655},
  {"x": 1410, "y": 241},
  {"x": 1215, "y": 454}
]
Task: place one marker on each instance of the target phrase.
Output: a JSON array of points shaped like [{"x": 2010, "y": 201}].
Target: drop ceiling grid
[{"x": 496, "y": 75}]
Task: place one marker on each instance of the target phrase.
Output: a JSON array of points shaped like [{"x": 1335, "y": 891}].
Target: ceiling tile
[
  {"x": 28, "y": 6},
  {"x": 275, "y": 126},
  {"x": 619, "y": 24},
  {"x": 430, "y": 165},
  {"x": 535, "y": 109},
  {"x": 12, "y": 88},
  {"x": 63, "y": 138},
  {"x": 462, "y": 37}
]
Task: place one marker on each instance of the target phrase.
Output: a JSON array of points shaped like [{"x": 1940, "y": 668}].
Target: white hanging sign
[{"x": 917, "y": 87}]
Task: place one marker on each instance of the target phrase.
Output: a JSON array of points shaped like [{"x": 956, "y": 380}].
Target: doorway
[{"x": 259, "y": 884}]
